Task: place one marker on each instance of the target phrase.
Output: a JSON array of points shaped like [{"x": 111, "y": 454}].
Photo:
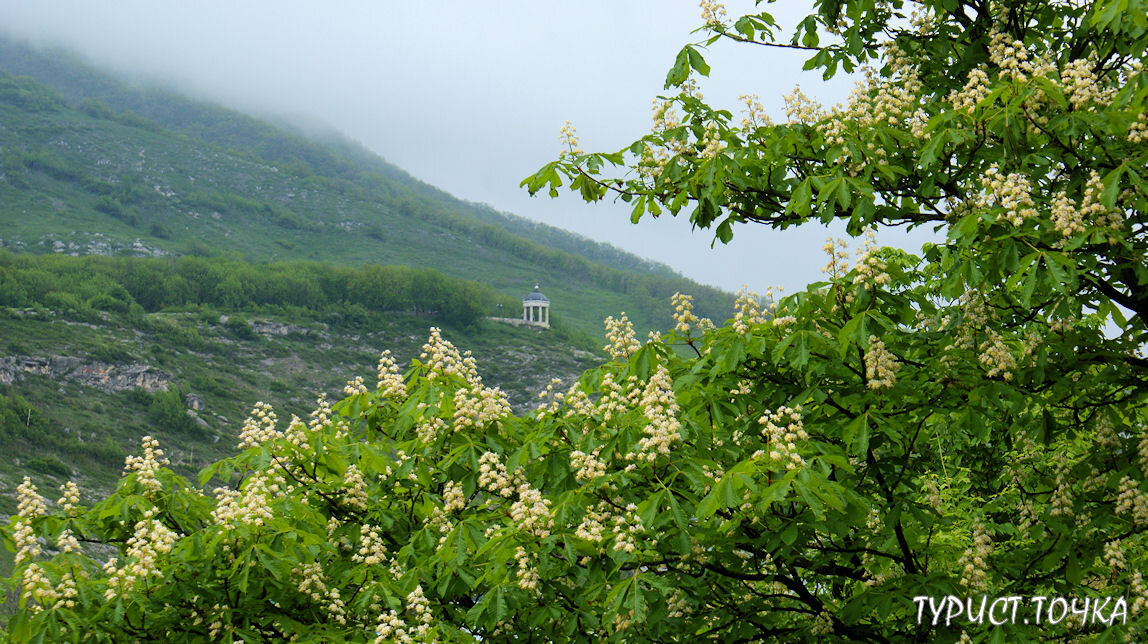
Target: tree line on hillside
[{"x": 123, "y": 284}]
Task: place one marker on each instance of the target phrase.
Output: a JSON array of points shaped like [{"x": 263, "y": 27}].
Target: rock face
[
  {"x": 276, "y": 328},
  {"x": 101, "y": 375},
  {"x": 194, "y": 402}
]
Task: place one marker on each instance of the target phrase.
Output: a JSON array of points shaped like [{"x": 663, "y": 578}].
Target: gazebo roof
[{"x": 535, "y": 296}]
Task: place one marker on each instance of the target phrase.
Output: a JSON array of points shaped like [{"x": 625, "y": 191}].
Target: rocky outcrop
[
  {"x": 101, "y": 375},
  {"x": 276, "y": 329},
  {"x": 194, "y": 402}
]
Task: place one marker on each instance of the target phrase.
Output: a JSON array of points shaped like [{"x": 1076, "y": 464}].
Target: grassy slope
[
  {"x": 333, "y": 202},
  {"x": 91, "y": 432}
]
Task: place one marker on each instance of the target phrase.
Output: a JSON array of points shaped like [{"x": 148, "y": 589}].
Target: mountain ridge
[{"x": 77, "y": 80}]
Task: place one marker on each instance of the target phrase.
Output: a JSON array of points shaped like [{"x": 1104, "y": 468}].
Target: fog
[{"x": 467, "y": 96}]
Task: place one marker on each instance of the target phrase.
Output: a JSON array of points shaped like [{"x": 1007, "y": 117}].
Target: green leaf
[
  {"x": 856, "y": 435},
  {"x": 696, "y": 61},
  {"x": 724, "y": 232},
  {"x": 800, "y": 199},
  {"x": 680, "y": 71},
  {"x": 1112, "y": 185}
]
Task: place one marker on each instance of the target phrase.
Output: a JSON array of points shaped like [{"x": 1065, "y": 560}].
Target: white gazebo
[{"x": 536, "y": 309}]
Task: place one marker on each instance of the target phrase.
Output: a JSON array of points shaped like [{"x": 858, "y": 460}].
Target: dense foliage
[
  {"x": 119, "y": 284},
  {"x": 970, "y": 422}
]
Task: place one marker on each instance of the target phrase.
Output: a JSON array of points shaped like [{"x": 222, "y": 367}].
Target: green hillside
[
  {"x": 92, "y": 357},
  {"x": 92, "y": 165}
]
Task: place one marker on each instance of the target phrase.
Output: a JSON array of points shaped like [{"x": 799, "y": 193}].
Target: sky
[{"x": 468, "y": 96}]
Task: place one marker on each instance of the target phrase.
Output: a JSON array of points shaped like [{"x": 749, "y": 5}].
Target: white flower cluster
[
  {"x": 747, "y": 310},
  {"x": 555, "y": 398},
  {"x": 453, "y": 499},
  {"x": 428, "y": 427},
  {"x": 1114, "y": 555},
  {"x": 870, "y": 269},
  {"x": 654, "y": 160},
  {"x": 838, "y": 253},
  {"x": 323, "y": 417},
  {"x": 442, "y": 357},
  {"x": 569, "y": 138},
  {"x": 755, "y": 115},
  {"x": 354, "y": 488},
  {"x": 1138, "y": 131},
  {"x": 615, "y": 399},
  {"x": 713, "y": 14},
  {"x": 419, "y": 607},
  {"x": 492, "y": 475},
  {"x": 1066, "y": 218},
  {"x": 660, "y": 409},
  {"x": 932, "y": 493},
  {"x": 259, "y": 427},
  {"x": 36, "y": 587},
  {"x": 391, "y": 382},
  {"x": 880, "y": 365},
  {"x": 1010, "y": 56},
  {"x": 996, "y": 356},
  {"x": 1130, "y": 500},
  {"x": 974, "y": 562},
  {"x": 782, "y": 429},
  {"x": 527, "y": 573},
  {"x": 391, "y": 629},
  {"x": 683, "y": 312},
  {"x": 530, "y": 511},
  {"x": 479, "y": 406},
  {"x": 150, "y": 540},
  {"x": 70, "y": 497},
  {"x": 314, "y": 585},
  {"x": 251, "y": 505},
  {"x": 1082, "y": 86},
  {"x": 1070, "y": 219},
  {"x": 296, "y": 432},
  {"x": 1012, "y": 193},
  {"x": 974, "y": 91},
  {"x": 711, "y": 142},
  {"x": 591, "y": 527},
  {"x": 627, "y": 527},
  {"x": 799, "y": 108},
  {"x": 620, "y": 335},
  {"x": 876, "y": 101},
  {"x": 1142, "y": 450},
  {"x": 677, "y": 605},
  {"x": 578, "y": 402},
  {"x": 1106, "y": 434},
  {"x": 372, "y": 551},
  {"x": 29, "y": 506},
  {"x": 1060, "y": 503},
  {"x": 355, "y": 386},
  {"x": 147, "y": 466},
  {"x": 587, "y": 467},
  {"x": 67, "y": 542},
  {"x": 1139, "y": 591},
  {"x": 974, "y": 315}
]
